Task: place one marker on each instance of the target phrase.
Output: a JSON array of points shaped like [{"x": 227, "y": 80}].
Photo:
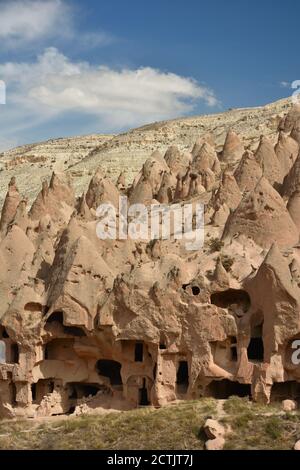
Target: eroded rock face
[
  {"x": 248, "y": 172},
  {"x": 233, "y": 148},
  {"x": 263, "y": 216},
  {"x": 286, "y": 150},
  {"x": 268, "y": 161},
  {"x": 88, "y": 323},
  {"x": 10, "y": 205}
]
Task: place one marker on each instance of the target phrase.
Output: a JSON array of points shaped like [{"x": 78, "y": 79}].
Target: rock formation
[
  {"x": 10, "y": 205},
  {"x": 248, "y": 172},
  {"x": 262, "y": 216},
  {"x": 121, "y": 322},
  {"x": 291, "y": 182},
  {"x": 286, "y": 150},
  {"x": 233, "y": 148},
  {"x": 268, "y": 161}
]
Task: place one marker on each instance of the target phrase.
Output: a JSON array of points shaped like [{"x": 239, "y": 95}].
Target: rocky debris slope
[
  {"x": 87, "y": 322},
  {"x": 33, "y": 163},
  {"x": 128, "y": 151}
]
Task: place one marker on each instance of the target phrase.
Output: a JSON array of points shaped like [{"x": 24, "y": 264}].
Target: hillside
[{"x": 80, "y": 156}]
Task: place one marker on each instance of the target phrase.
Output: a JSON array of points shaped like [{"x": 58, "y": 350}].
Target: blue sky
[{"x": 75, "y": 67}]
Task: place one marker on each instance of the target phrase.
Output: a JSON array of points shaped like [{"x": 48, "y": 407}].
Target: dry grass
[
  {"x": 175, "y": 427},
  {"x": 259, "y": 427}
]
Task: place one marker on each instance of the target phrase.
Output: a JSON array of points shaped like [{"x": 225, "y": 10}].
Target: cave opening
[
  {"x": 223, "y": 389},
  {"x": 155, "y": 371},
  {"x": 13, "y": 393},
  {"x": 195, "y": 289},
  {"x": 78, "y": 390},
  {"x": 233, "y": 349},
  {"x": 230, "y": 297},
  {"x": 33, "y": 392},
  {"x": 110, "y": 369},
  {"x": 74, "y": 331},
  {"x": 14, "y": 353},
  {"x": 143, "y": 395},
  {"x": 139, "y": 352},
  {"x": 33, "y": 307},
  {"x": 182, "y": 377},
  {"x": 41, "y": 388},
  {"x": 255, "y": 349},
  {"x": 3, "y": 333},
  {"x": 285, "y": 391},
  {"x": 59, "y": 349},
  {"x": 56, "y": 317}
]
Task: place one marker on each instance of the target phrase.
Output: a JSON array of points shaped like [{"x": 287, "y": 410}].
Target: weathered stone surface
[
  {"x": 291, "y": 182},
  {"x": 268, "y": 161},
  {"x": 289, "y": 405},
  {"x": 215, "y": 444},
  {"x": 89, "y": 323},
  {"x": 286, "y": 150},
  {"x": 233, "y": 148},
  {"x": 262, "y": 216},
  {"x": 297, "y": 445},
  {"x": 248, "y": 172},
  {"x": 213, "y": 429}
]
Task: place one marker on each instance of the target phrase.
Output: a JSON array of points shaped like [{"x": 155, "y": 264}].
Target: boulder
[
  {"x": 213, "y": 429},
  {"x": 289, "y": 405}
]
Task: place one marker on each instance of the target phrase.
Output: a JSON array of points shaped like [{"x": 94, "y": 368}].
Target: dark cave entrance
[
  {"x": 155, "y": 371},
  {"x": 139, "y": 352},
  {"x": 13, "y": 393},
  {"x": 74, "y": 331},
  {"x": 78, "y": 390},
  {"x": 110, "y": 369},
  {"x": 3, "y": 333},
  {"x": 143, "y": 395},
  {"x": 182, "y": 377},
  {"x": 33, "y": 392},
  {"x": 233, "y": 349},
  {"x": 59, "y": 349},
  {"x": 285, "y": 391},
  {"x": 14, "y": 353},
  {"x": 40, "y": 389},
  {"x": 194, "y": 288},
  {"x": 230, "y": 297},
  {"x": 223, "y": 389},
  {"x": 256, "y": 346},
  {"x": 58, "y": 317}
]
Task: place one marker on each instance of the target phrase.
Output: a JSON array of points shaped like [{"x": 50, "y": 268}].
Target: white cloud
[
  {"x": 28, "y": 20},
  {"x": 24, "y": 21},
  {"x": 54, "y": 85},
  {"x": 285, "y": 84}
]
